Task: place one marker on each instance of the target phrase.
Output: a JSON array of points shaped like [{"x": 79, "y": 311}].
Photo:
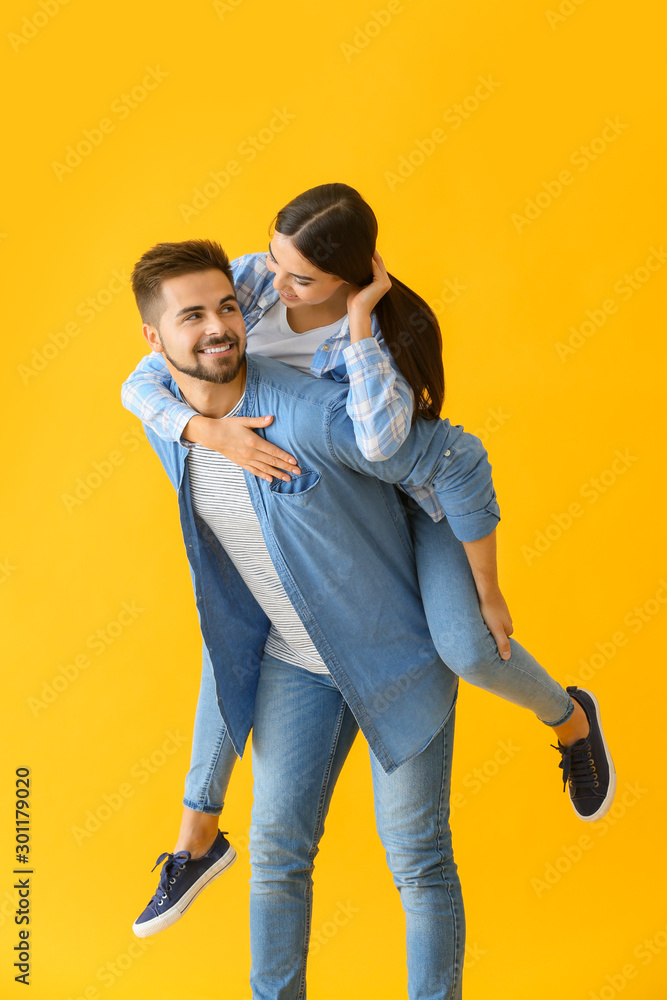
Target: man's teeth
[{"x": 217, "y": 350}]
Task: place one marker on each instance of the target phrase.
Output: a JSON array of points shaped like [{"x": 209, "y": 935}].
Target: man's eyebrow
[
  {"x": 190, "y": 309},
  {"x": 302, "y": 277}
]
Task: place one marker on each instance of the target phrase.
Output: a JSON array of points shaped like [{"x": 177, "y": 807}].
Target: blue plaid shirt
[{"x": 380, "y": 402}]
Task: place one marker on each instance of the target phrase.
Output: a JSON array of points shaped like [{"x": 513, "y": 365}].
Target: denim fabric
[
  {"x": 340, "y": 543},
  {"x": 213, "y": 753},
  {"x": 460, "y": 636},
  {"x": 380, "y": 401},
  {"x": 302, "y": 735}
]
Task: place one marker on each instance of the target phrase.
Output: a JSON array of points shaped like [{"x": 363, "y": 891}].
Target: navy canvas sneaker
[
  {"x": 181, "y": 881},
  {"x": 587, "y": 764}
]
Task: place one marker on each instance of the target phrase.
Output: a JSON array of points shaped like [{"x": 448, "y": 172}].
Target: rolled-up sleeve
[
  {"x": 146, "y": 393},
  {"x": 438, "y": 456},
  {"x": 380, "y": 402}
]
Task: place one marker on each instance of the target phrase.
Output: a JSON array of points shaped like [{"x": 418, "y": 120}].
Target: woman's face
[{"x": 296, "y": 279}]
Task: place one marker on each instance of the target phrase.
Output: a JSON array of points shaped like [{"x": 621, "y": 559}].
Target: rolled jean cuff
[
  {"x": 564, "y": 718},
  {"x": 198, "y": 807}
]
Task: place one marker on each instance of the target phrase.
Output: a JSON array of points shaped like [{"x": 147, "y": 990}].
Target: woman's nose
[{"x": 279, "y": 282}]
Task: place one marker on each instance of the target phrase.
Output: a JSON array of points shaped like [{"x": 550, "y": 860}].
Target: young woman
[{"x": 322, "y": 301}]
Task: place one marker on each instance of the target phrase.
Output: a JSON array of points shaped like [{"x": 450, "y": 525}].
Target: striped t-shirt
[{"x": 220, "y": 497}]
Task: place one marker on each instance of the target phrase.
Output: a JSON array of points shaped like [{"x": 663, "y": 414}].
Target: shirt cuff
[
  {"x": 478, "y": 524},
  {"x": 358, "y": 357},
  {"x": 178, "y": 425}
]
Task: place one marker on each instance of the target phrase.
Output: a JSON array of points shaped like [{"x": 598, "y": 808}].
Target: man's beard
[{"x": 223, "y": 373}]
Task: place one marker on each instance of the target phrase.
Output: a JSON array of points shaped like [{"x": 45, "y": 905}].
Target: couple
[{"x": 328, "y": 600}]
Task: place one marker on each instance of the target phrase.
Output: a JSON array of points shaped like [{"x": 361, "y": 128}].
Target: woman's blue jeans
[
  {"x": 303, "y": 731},
  {"x": 459, "y": 633}
]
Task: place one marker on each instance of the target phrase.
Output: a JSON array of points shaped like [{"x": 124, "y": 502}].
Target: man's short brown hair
[{"x": 168, "y": 260}]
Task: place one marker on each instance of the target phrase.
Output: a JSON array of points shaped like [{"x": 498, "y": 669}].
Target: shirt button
[
  {"x": 447, "y": 453},
  {"x": 325, "y": 347}
]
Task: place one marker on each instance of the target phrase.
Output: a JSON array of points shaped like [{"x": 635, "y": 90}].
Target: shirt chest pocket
[{"x": 298, "y": 490}]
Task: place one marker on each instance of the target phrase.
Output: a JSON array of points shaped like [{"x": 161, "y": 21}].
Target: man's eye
[{"x": 193, "y": 316}]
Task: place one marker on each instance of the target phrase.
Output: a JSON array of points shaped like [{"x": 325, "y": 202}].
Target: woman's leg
[
  {"x": 303, "y": 732},
  {"x": 211, "y": 765},
  {"x": 183, "y": 877},
  {"x": 465, "y": 644},
  {"x": 460, "y": 634},
  {"x": 412, "y": 811}
]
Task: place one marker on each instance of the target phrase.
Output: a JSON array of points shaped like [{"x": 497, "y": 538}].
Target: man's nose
[{"x": 215, "y": 324}]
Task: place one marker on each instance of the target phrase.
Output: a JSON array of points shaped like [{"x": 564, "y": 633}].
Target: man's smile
[{"x": 217, "y": 349}]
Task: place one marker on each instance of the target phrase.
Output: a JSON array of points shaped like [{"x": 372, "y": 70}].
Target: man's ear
[{"x": 153, "y": 338}]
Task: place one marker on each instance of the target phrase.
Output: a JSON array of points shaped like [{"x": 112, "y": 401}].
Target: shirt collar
[{"x": 246, "y": 401}]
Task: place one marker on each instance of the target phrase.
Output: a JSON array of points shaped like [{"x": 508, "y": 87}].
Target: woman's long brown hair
[{"x": 336, "y": 230}]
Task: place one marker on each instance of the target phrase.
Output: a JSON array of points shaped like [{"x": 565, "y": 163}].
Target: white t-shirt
[
  {"x": 273, "y": 337},
  {"x": 220, "y": 497}
]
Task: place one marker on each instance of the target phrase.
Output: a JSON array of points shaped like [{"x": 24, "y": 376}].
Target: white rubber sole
[
  {"x": 175, "y": 913},
  {"x": 605, "y": 805}
]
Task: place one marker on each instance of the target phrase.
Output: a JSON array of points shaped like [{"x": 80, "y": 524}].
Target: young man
[{"x": 312, "y": 620}]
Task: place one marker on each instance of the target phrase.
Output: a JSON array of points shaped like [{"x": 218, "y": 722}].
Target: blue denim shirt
[
  {"x": 341, "y": 546},
  {"x": 380, "y": 401}
]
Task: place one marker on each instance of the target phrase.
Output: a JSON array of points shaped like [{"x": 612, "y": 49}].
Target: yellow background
[{"x": 364, "y": 84}]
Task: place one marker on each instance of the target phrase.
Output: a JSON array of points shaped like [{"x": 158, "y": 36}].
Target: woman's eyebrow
[{"x": 302, "y": 277}]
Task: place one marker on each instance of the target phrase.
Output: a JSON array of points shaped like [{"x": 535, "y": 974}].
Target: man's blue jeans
[{"x": 303, "y": 731}]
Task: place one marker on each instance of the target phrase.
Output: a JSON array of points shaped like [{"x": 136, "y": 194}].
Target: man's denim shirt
[
  {"x": 340, "y": 543},
  {"x": 380, "y": 401}
]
